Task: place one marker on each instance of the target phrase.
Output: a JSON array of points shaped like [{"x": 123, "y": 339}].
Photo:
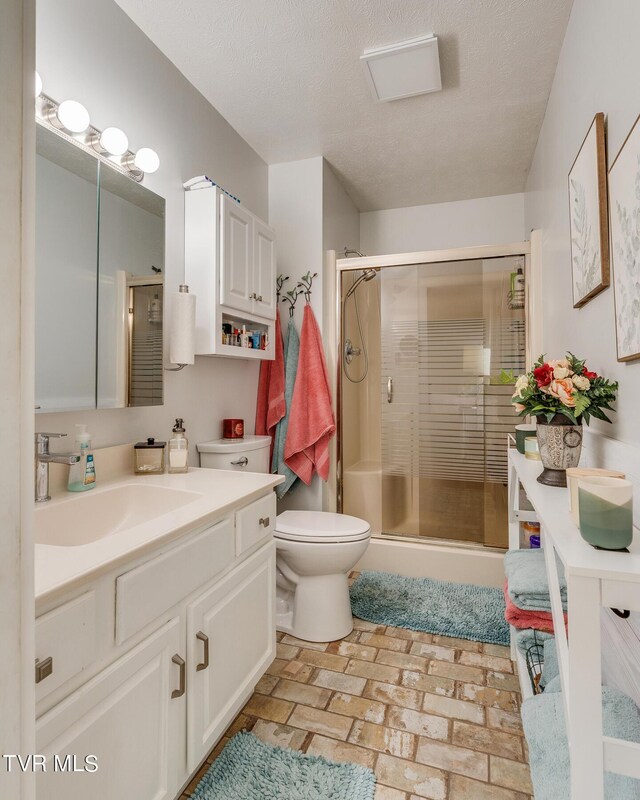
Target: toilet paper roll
[{"x": 182, "y": 337}]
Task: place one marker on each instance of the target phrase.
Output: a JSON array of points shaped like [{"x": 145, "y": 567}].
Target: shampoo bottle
[
  {"x": 82, "y": 475},
  {"x": 178, "y": 449}
]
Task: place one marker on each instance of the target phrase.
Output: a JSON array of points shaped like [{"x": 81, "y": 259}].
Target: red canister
[{"x": 233, "y": 428}]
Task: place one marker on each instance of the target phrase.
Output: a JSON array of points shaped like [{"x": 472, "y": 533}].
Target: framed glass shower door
[
  {"x": 432, "y": 422},
  {"x": 433, "y": 411}
]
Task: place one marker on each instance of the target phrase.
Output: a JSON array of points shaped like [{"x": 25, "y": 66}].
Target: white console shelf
[{"x": 595, "y": 579}]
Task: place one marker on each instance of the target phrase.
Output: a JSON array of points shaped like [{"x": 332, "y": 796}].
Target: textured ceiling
[{"x": 286, "y": 75}]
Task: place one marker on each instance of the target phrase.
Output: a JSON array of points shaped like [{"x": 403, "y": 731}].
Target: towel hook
[
  {"x": 305, "y": 284},
  {"x": 280, "y": 281},
  {"x": 291, "y": 298}
]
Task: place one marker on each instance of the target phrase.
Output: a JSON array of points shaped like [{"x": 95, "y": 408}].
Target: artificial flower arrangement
[{"x": 564, "y": 386}]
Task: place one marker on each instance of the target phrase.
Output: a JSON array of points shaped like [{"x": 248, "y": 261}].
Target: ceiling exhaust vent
[{"x": 403, "y": 70}]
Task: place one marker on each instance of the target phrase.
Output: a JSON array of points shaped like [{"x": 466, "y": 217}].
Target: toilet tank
[{"x": 250, "y": 454}]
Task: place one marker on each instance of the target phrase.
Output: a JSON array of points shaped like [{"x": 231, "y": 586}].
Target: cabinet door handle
[
  {"x": 253, "y": 296},
  {"x": 389, "y": 390},
  {"x": 181, "y": 663},
  {"x": 259, "y": 298},
  {"x": 241, "y": 462},
  {"x": 202, "y": 637},
  {"x": 44, "y": 668},
  {"x": 264, "y": 521}
]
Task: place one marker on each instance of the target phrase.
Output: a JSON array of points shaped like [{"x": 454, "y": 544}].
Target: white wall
[
  {"x": 311, "y": 213},
  {"x": 441, "y": 226},
  {"x": 597, "y": 71},
  {"x": 102, "y": 59},
  {"x": 295, "y": 213}
]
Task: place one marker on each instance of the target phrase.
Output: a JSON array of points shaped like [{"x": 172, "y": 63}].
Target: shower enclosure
[{"x": 428, "y": 354}]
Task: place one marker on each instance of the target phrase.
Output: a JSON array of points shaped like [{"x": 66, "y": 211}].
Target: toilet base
[{"x": 318, "y": 609}]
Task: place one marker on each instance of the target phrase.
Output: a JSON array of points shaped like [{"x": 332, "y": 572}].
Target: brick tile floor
[{"x": 435, "y": 718}]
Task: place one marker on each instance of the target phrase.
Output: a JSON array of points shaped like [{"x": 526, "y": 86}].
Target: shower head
[
  {"x": 367, "y": 275},
  {"x": 351, "y": 252}
]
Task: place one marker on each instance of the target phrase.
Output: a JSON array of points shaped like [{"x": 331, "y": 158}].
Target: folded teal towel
[
  {"x": 550, "y": 668},
  {"x": 291, "y": 353},
  {"x": 527, "y": 580},
  {"x": 545, "y": 731},
  {"x": 526, "y": 638},
  {"x": 554, "y": 685}
]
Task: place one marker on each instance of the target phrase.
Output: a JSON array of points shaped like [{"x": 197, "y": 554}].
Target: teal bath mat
[
  {"x": 248, "y": 769},
  {"x": 462, "y": 610}
]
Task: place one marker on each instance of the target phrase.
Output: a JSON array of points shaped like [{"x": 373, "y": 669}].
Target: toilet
[{"x": 315, "y": 551}]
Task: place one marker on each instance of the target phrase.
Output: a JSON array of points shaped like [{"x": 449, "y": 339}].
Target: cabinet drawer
[
  {"x": 67, "y": 636},
  {"x": 146, "y": 592},
  {"x": 255, "y": 522}
]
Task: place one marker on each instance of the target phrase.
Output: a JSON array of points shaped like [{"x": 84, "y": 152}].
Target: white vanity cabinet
[
  {"x": 230, "y": 265},
  {"x": 131, "y": 716},
  {"x": 230, "y": 635},
  {"x": 153, "y": 659}
]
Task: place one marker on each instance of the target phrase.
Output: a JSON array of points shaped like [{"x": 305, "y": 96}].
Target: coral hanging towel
[
  {"x": 311, "y": 421},
  {"x": 271, "y": 408}
]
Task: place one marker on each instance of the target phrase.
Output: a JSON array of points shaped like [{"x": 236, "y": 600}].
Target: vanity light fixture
[
  {"x": 70, "y": 115},
  {"x": 147, "y": 160},
  {"x": 70, "y": 120},
  {"x": 112, "y": 141}
]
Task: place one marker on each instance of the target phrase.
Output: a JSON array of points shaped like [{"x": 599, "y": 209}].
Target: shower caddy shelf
[{"x": 596, "y": 580}]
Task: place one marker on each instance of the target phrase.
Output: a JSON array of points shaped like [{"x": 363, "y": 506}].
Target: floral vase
[{"x": 560, "y": 444}]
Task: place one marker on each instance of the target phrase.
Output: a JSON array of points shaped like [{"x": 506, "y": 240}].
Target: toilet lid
[{"x": 320, "y": 526}]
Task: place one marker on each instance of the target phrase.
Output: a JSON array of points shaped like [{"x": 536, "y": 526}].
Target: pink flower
[
  {"x": 563, "y": 390},
  {"x": 518, "y": 407}
]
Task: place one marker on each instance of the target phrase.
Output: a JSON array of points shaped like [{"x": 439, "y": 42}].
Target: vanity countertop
[{"x": 216, "y": 492}]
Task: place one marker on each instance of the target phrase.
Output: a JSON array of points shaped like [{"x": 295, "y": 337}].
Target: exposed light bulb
[
  {"x": 146, "y": 160},
  {"x": 114, "y": 141},
  {"x": 38, "y": 85},
  {"x": 73, "y": 116}
]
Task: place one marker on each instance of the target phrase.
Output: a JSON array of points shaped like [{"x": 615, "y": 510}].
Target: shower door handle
[{"x": 389, "y": 389}]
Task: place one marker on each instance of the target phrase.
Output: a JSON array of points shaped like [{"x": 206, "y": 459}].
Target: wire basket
[{"x": 534, "y": 658}]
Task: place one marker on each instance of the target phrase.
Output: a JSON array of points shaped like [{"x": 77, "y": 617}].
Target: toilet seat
[{"x": 320, "y": 527}]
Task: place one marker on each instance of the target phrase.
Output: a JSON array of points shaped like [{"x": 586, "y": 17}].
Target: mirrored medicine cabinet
[{"x": 99, "y": 282}]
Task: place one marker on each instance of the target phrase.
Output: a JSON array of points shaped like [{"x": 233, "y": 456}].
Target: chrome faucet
[{"x": 44, "y": 458}]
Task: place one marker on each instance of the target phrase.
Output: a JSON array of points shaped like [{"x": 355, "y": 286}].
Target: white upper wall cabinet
[
  {"x": 264, "y": 255},
  {"x": 238, "y": 264},
  {"x": 230, "y": 265}
]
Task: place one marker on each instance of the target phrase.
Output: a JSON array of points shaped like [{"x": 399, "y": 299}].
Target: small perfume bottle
[{"x": 178, "y": 449}]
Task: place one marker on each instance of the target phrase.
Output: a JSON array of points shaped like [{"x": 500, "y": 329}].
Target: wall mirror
[{"x": 99, "y": 282}]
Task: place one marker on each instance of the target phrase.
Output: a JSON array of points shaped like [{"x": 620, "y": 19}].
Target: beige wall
[{"x": 17, "y": 160}]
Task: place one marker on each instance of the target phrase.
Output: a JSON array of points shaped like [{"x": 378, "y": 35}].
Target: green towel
[
  {"x": 291, "y": 353},
  {"x": 551, "y": 667},
  {"x": 545, "y": 731},
  {"x": 527, "y": 580}
]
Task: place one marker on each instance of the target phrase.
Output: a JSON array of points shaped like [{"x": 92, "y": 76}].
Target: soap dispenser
[
  {"x": 178, "y": 449},
  {"x": 82, "y": 475}
]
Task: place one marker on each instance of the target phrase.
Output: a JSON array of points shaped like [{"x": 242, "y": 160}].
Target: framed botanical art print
[
  {"x": 588, "y": 216},
  {"x": 624, "y": 200}
]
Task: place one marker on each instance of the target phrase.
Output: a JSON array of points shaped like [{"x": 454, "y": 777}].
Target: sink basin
[{"x": 83, "y": 519}]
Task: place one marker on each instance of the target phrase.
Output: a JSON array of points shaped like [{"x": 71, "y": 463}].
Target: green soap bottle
[{"x": 82, "y": 475}]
